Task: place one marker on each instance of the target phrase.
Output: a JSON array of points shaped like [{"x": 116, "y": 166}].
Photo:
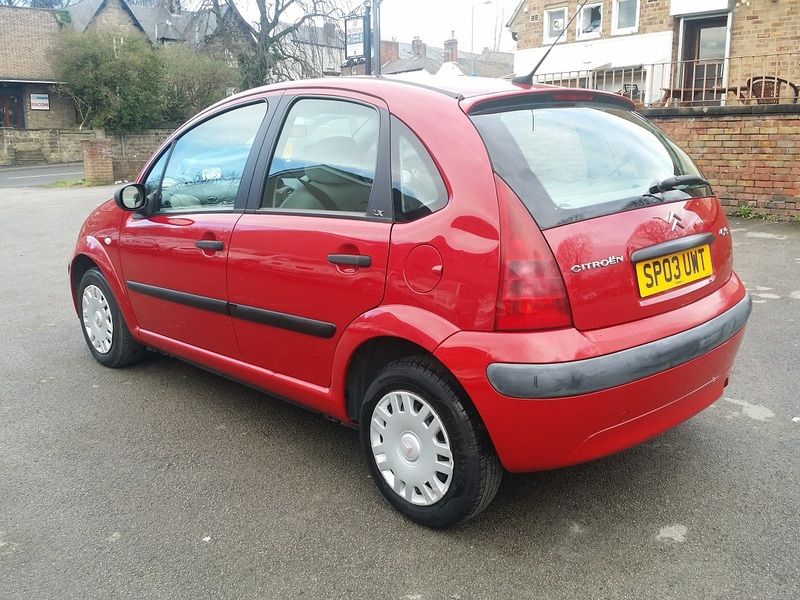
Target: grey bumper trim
[{"x": 602, "y": 372}]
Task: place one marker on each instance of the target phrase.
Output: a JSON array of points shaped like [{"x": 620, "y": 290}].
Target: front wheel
[
  {"x": 424, "y": 445},
  {"x": 104, "y": 328}
]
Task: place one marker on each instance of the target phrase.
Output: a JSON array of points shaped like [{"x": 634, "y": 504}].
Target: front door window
[
  {"x": 704, "y": 57},
  {"x": 207, "y": 163},
  {"x": 10, "y": 109}
]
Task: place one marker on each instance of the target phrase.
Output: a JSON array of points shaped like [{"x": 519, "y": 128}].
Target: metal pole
[
  {"x": 472, "y": 41},
  {"x": 376, "y": 36},
  {"x": 367, "y": 38}
]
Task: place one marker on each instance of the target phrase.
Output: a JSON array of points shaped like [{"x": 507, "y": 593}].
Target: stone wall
[
  {"x": 131, "y": 151},
  {"x": 113, "y": 16},
  {"x": 56, "y": 145},
  {"x": 751, "y": 159}
]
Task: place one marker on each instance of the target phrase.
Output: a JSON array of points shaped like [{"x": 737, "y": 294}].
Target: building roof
[
  {"x": 160, "y": 24},
  {"x": 27, "y": 35},
  {"x": 412, "y": 63},
  {"x": 82, "y": 13},
  {"x": 433, "y": 60}
]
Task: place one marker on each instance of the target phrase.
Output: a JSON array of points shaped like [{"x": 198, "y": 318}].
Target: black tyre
[
  {"x": 103, "y": 326},
  {"x": 425, "y": 446}
]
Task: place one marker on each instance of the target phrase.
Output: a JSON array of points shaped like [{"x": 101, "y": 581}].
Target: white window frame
[
  {"x": 546, "y": 25},
  {"x": 615, "y": 15},
  {"x": 579, "y": 30}
]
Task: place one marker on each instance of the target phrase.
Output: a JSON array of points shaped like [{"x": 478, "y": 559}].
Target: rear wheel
[
  {"x": 104, "y": 328},
  {"x": 425, "y": 447}
]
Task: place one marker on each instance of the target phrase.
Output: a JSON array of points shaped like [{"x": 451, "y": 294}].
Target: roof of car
[
  {"x": 456, "y": 87},
  {"x": 472, "y": 90}
]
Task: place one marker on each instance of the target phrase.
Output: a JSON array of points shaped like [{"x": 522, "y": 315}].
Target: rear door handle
[
  {"x": 352, "y": 260},
  {"x": 215, "y": 245}
]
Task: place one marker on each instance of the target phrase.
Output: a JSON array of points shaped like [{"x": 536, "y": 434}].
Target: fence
[{"x": 742, "y": 80}]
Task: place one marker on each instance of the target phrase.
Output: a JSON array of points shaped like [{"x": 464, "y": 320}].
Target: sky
[{"x": 433, "y": 21}]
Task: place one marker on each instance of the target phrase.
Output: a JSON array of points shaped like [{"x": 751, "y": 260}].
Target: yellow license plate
[{"x": 664, "y": 273}]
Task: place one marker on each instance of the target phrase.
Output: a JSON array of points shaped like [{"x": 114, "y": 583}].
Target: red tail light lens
[{"x": 531, "y": 294}]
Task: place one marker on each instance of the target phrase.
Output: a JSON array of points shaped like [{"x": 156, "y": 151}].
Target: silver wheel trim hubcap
[
  {"x": 97, "y": 319},
  {"x": 411, "y": 448}
]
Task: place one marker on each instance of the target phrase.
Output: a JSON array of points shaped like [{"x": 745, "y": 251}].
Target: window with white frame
[
  {"x": 555, "y": 20},
  {"x": 590, "y": 21},
  {"x": 626, "y": 17}
]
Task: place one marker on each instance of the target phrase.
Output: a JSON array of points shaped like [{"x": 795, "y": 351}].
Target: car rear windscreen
[{"x": 570, "y": 163}]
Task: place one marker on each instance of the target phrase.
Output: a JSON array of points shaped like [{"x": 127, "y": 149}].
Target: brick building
[
  {"x": 27, "y": 37},
  {"x": 684, "y": 50}
]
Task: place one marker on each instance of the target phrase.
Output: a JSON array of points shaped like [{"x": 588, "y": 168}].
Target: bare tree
[
  {"x": 47, "y": 4},
  {"x": 499, "y": 24},
  {"x": 289, "y": 41}
]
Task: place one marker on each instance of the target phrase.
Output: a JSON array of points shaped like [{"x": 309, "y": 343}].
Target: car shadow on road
[{"x": 547, "y": 505}]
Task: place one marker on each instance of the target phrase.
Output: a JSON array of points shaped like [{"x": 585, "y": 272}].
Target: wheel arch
[
  {"x": 379, "y": 337},
  {"x": 91, "y": 254},
  {"x": 369, "y": 358}
]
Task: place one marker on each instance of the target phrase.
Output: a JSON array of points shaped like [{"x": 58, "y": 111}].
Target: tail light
[{"x": 531, "y": 294}]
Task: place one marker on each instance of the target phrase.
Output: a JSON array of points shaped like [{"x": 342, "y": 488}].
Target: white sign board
[
  {"x": 354, "y": 34},
  {"x": 40, "y": 101},
  {"x": 680, "y": 8}
]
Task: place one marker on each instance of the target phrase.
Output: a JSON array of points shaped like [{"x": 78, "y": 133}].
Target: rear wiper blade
[{"x": 670, "y": 183}]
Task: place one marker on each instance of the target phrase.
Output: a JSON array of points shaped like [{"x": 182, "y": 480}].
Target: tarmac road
[
  {"x": 164, "y": 481},
  {"x": 17, "y": 177}
]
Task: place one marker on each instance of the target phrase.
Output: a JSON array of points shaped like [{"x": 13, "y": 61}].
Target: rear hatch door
[{"x": 588, "y": 170}]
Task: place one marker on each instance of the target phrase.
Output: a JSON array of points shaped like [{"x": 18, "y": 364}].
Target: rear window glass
[{"x": 577, "y": 162}]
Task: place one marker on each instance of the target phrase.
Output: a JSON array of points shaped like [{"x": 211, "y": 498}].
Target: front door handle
[
  {"x": 351, "y": 260},
  {"x": 214, "y": 245}
]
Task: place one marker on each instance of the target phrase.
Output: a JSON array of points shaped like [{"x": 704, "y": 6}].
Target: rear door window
[
  {"x": 577, "y": 162},
  {"x": 417, "y": 186},
  {"x": 325, "y": 159}
]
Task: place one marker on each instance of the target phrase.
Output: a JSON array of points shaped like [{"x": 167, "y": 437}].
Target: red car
[{"x": 479, "y": 276}]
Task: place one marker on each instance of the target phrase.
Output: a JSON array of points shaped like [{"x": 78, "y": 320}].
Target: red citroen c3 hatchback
[{"x": 482, "y": 276}]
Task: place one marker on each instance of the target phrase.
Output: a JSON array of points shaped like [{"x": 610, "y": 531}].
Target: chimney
[
  {"x": 418, "y": 48},
  {"x": 390, "y": 51},
  {"x": 451, "y": 48}
]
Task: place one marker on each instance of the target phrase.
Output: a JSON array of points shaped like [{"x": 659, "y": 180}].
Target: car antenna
[{"x": 528, "y": 79}]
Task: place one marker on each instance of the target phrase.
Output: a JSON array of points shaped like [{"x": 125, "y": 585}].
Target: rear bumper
[
  {"x": 608, "y": 409},
  {"x": 603, "y": 372}
]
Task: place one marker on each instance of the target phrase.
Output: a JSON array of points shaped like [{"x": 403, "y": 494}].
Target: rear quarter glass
[{"x": 573, "y": 162}]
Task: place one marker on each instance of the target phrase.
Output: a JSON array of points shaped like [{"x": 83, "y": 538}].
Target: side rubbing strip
[
  {"x": 602, "y": 372},
  {"x": 283, "y": 321},
  {"x": 193, "y": 300}
]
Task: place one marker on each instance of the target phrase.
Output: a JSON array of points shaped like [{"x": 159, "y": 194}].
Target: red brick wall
[
  {"x": 751, "y": 160},
  {"x": 97, "y": 161}
]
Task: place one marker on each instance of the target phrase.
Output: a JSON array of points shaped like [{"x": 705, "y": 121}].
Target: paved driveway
[{"x": 164, "y": 481}]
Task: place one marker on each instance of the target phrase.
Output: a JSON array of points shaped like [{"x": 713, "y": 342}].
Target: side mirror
[{"x": 131, "y": 197}]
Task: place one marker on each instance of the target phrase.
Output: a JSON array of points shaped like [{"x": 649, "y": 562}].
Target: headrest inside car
[{"x": 339, "y": 153}]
